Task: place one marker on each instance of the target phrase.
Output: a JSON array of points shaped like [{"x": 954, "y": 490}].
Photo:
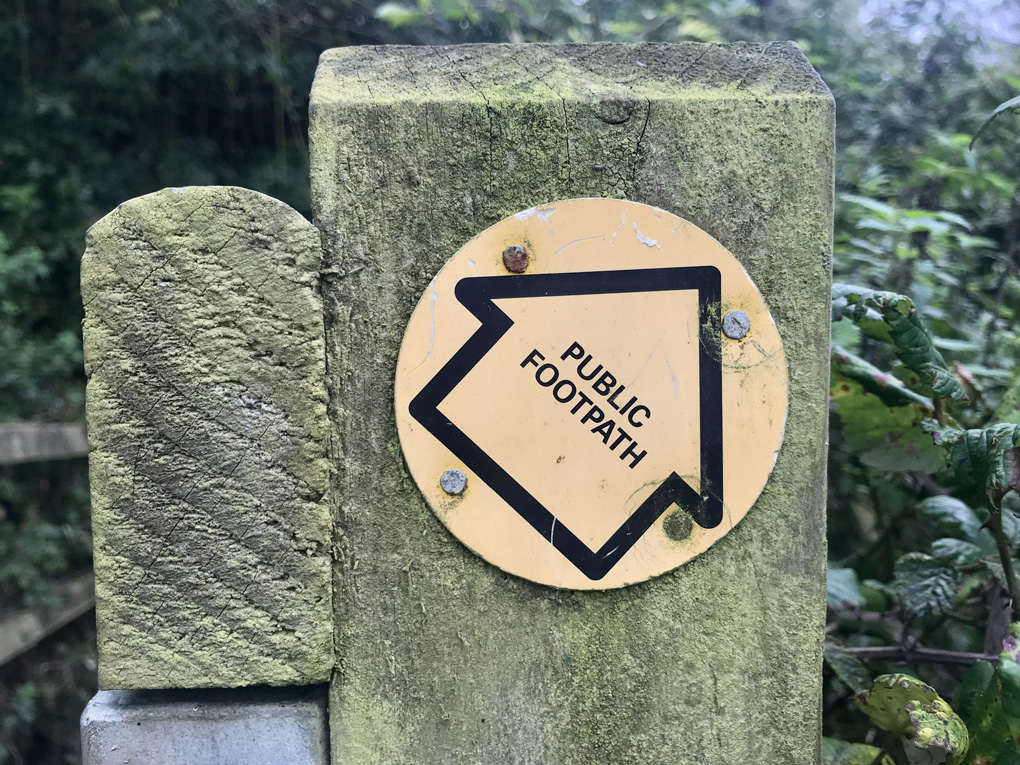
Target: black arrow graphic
[{"x": 477, "y": 295}]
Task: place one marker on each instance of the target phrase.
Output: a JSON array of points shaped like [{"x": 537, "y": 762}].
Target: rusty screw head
[
  {"x": 516, "y": 259},
  {"x": 453, "y": 481},
  {"x": 736, "y": 324}
]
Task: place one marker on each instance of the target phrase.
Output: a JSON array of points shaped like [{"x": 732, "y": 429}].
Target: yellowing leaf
[
  {"x": 885, "y": 437},
  {"x": 904, "y": 705}
]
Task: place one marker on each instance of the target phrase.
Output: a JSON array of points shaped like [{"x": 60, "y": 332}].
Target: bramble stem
[
  {"x": 1006, "y": 558},
  {"x": 918, "y": 654}
]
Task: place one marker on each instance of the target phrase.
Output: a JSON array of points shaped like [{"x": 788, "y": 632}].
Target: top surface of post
[
  {"x": 442, "y": 657},
  {"x": 647, "y": 70}
]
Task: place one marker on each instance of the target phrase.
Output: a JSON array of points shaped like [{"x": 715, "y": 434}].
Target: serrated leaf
[
  {"x": 944, "y": 383},
  {"x": 923, "y": 585},
  {"x": 956, "y": 551},
  {"x": 904, "y": 705},
  {"x": 847, "y": 667},
  {"x": 836, "y": 752},
  {"x": 952, "y": 515},
  {"x": 905, "y": 330},
  {"x": 985, "y": 458},
  {"x": 843, "y": 589}
]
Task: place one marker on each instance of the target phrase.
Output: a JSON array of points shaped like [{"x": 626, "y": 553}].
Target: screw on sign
[
  {"x": 589, "y": 395},
  {"x": 735, "y": 324},
  {"x": 515, "y": 259},
  {"x": 453, "y": 482}
]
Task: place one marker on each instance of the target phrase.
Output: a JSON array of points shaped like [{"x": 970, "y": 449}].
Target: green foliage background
[{"x": 103, "y": 100}]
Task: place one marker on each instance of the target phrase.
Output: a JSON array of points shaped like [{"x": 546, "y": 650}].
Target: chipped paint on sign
[
  {"x": 607, "y": 428},
  {"x": 646, "y": 239}
]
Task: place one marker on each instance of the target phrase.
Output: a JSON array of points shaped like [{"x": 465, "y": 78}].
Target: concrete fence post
[{"x": 443, "y": 657}]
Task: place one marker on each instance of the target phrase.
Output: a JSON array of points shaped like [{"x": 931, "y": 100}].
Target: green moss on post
[
  {"x": 443, "y": 658},
  {"x": 207, "y": 426}
]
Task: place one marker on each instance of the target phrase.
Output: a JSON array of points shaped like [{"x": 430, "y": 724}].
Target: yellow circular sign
[{"x": 590, "y": 393}]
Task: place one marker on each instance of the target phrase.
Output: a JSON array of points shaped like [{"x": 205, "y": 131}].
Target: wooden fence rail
[
  {"x": 37, "y": 442},
  {"x": 22, "y": 629}
]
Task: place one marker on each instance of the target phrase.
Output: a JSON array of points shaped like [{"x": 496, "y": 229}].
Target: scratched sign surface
[{"x": 612, "y": 411}]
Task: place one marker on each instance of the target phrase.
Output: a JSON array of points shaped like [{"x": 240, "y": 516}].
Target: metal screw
[
  {"x": 735, "y": 324},
  {"x": 453, "y": 481},
  {"x": 678, "y": 525},
  {"x": 516, "y": 259}
]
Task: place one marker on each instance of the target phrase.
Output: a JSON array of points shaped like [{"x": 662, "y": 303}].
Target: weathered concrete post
[{"x": 442, "y": 657}]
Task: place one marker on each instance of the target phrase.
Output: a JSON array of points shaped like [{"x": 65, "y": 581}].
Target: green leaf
[
  {"x": 944, "y": 382},
  {"x": 875, "y": 595},
  {"x": 888, "y": 388},
  {"x": 905, "y": 330},
  {"x": 1005, "y": 106},
  {"x": 847, "y": 667},
  {"x": 886, "y": 438},
  {"x": 985, "y": 458},
  {"x": 836, "y": 752},
  {"x": 932, "y": 731},
  {"x": 972, "y": 688},
  {"x": 994, "y": 714},
  {"x": 956, "y": 551},
  {"x": 952, "y": 515},
  {"x": 923, "y": 585},
  {"x": 843, "y": 589}
]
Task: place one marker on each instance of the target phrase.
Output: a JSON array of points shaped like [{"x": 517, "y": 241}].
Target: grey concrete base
[{"x": 242, "y": 726}]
